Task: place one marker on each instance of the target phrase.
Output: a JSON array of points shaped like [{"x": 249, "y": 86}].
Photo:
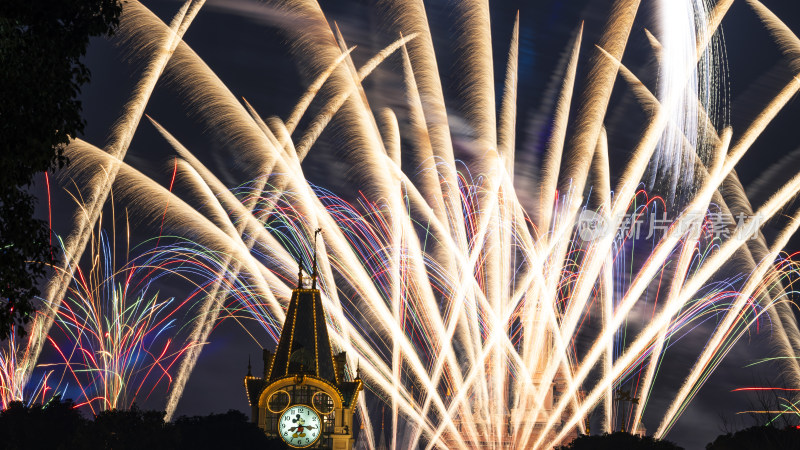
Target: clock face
[{"x": 299, "y": 426}]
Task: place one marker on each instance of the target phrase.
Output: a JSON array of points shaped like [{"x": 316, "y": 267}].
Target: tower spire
[
  {"x": 314, "y": 267},
  {"x": 299, "y": 274}
]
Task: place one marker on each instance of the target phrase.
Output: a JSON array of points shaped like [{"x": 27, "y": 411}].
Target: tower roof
[{"x": 304, "y": 347}]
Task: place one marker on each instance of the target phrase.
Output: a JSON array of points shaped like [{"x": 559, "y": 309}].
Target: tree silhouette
[
  {"x": 618, "y": 441},
  {"x": 760, "y": 437},
  {"x": 229, "y": 430},
  {"x": 41, "y": 44},
  {"x": 59, "y": 425},
  {"x": 54, "y": 426},
  {"x": 131, "y": 429}
]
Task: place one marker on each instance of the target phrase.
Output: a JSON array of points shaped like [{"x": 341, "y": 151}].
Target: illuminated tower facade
[{"x": 303, "y": 397}]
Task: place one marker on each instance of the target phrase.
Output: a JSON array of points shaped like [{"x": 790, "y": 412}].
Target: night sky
[{"x": 243, "y": 42}]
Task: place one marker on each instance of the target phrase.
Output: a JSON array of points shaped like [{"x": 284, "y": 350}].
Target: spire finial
[
  {"x": 249, "y": 367},
  {"x": 314, "y": 267},
  {"x": 358, "y": 370},
  {"x": 299, "y": 274}
]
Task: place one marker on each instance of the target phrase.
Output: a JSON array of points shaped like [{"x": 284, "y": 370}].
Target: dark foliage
[
  {"x": 129, "y": 430},
  {"x": 230, "y": 430},
  {"x": 618, "y": 441},
  {"x": 54, "y": 426},
  {"x": 761, "y": 438},
  {"x": 41, "y": 43},
  {"x": 58, "y": 425}
]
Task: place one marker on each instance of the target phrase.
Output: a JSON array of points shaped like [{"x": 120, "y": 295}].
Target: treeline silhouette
[
  {"x": 59, "y": 425},
  {"x": 618, "y": 441},
  {"x": 764, "y": 437},
  {"x": 759, "y": 438}
]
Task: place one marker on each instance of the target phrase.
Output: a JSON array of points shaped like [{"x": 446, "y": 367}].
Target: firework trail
[
  {"x": 12, "y": 389},
  {"x": 101, "y": 184},
  {"x": 115, "y": 339},
  {"x": 10, "y": 382},
  {"x": 735, "y": 203},
  {"x": 688, "y": 65},
  {"x": 471, "y": 317}
]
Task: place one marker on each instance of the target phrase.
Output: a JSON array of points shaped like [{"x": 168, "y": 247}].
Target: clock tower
[{"x": 303, "y": 397}]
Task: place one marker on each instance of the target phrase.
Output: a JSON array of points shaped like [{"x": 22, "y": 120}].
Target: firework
[
  {"x": 115, "y": 340},
  {"x": 12, "y": 385},
  {"x": 476, "y": 318}
]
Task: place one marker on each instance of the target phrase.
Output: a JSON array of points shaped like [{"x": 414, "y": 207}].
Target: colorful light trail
[{"x": 475, "y": 318}]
